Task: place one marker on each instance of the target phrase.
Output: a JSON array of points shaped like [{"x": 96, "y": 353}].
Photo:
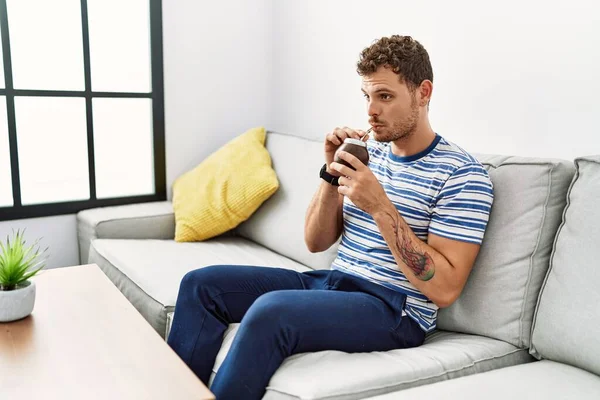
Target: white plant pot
[{"x": 18, "y": 303}]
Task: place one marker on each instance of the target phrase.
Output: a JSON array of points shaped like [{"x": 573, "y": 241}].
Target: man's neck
[{"x": 421, "y": 138}]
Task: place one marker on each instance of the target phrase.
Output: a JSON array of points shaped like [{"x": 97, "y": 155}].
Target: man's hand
[
  {"x": 334, "y": 140},
  {"x": 360, "y": 186}
]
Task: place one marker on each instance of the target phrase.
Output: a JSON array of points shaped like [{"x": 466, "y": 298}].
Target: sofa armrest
[{"x": 154, "y": 220}]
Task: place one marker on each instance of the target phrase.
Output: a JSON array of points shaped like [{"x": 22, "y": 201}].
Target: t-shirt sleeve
[{"x": 463, "y": 205}]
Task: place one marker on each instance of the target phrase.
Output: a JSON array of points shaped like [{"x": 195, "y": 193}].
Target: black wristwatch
[{"x": 327, "y": 177}]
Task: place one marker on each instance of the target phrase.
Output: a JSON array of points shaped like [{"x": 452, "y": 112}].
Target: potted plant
[{"x": 18, "y": 263}]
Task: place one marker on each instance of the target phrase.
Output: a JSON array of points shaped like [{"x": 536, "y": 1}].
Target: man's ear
[{"x": 425, "y": 90}]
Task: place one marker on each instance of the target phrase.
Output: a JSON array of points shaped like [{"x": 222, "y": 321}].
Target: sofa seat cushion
[
  {"x": 148, "y": 272},
  {"x": 338, "y": 375},
  {"x": 546, "y": 380}
]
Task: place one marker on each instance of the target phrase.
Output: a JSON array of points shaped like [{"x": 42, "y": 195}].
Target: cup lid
[{"x": 355, "y": 141}]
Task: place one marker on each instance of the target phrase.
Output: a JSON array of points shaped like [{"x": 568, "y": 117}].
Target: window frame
[{"x": 20, "y": 211}]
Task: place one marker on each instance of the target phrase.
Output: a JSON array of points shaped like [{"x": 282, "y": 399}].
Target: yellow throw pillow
[{"x": 225, "y": 189}]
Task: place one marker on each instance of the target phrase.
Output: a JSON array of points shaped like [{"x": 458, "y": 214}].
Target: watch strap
[{"x": 327, "y": 177}]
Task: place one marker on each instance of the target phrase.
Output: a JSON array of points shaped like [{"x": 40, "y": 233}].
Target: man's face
[{"x": 393, "y": 109}]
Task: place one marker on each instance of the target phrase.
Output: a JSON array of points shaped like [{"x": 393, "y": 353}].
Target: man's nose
[{"x": 373, "y": 109}]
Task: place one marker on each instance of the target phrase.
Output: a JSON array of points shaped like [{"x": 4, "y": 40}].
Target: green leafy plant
[{"x": 18, "y": 263}]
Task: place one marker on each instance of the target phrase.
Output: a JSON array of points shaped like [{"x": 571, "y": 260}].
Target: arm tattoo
[{"x": 421, "y": 264}]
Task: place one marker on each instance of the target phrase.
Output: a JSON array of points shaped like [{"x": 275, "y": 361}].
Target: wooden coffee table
[{"x": 84, "y": 340}]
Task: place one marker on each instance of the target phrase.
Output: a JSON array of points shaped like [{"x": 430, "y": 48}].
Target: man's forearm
[
  {"x": 323, "y": 218},
  {"x": 423, "y": 266}
]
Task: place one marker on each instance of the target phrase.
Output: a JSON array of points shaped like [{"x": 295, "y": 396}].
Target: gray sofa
[{"x": 488, "y": 328}]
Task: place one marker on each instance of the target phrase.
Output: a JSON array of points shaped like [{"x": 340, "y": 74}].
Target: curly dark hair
[{"x": 403, "y": 54}]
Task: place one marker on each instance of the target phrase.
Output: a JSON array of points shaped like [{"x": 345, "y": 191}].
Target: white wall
[
  {"x": 217, "y": 60},
  {"x": 58, "y": 234},
  {"x": 513, "y": 77}
]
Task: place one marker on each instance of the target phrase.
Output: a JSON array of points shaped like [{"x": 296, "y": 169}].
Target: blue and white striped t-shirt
[{"x": 442, "y": 190}]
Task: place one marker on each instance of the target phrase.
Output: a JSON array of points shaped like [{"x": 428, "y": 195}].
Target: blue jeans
[{"x": 282, "y": 312}]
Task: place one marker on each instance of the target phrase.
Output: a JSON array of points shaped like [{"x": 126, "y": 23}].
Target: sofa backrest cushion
[
  {"x": 279, "y": 223},
  {"x": 499, "y": 298},
  {"x": 567, "y": 317}
]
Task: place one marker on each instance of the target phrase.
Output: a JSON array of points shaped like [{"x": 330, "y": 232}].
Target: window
[{"x": 81, "y": 105}]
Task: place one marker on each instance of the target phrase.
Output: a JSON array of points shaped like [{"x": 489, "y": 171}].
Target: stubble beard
[{"x": 401, "y": 130}]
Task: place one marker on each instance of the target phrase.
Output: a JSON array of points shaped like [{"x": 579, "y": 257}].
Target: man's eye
[
  {"x": 385, "y": 96},
  {"x": 366, "y": 96}
]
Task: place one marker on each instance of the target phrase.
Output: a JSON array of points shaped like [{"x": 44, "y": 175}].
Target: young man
[{"x": 412, "y": 222}]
